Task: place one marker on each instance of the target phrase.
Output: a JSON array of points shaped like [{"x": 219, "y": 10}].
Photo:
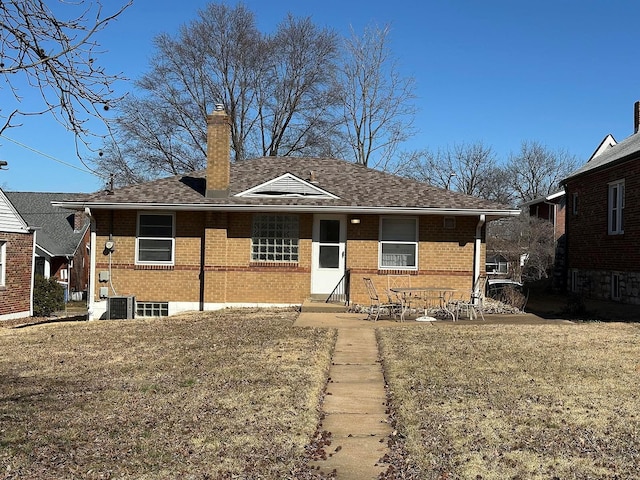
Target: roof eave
[{"x": 489, "y": 212}]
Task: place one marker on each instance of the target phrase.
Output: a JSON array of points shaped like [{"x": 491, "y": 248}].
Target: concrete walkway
[{"x": 354, "y": 406}]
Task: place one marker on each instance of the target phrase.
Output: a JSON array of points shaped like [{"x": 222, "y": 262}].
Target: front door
[{"x": 328, "y": 250}]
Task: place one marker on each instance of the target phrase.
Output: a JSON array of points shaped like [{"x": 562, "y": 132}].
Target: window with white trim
[
  {"x": 398, "y": 247},
  {"x": 3, "y": 263},
  {"x": 275, "y": 239},
  {"x": 616, "y": 208},
  {"x": 155, "y": 242}
]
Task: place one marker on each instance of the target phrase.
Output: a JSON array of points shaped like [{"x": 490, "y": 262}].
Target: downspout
[
  {"x": 33, "y": 272},
  {"x": 477, "y": 266},
  {"x": 92, "y": 264}
]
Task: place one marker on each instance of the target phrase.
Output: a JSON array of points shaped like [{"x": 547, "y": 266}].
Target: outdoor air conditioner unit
[{"x": 120, "y": 308}]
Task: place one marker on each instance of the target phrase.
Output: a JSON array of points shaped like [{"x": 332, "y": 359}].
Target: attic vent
[{"x": 287, "y": 185}]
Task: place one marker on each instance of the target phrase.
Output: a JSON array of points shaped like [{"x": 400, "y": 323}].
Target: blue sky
[{"x": 564, "y": 73}]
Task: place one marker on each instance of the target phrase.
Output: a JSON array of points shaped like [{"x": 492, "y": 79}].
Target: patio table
[{"x": 441, "y": 295}]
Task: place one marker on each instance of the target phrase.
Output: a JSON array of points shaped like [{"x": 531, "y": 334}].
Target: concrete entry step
[{"x": 320, "y": 306}]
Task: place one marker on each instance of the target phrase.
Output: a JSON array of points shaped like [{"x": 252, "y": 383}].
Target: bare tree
[
  {"x": 469, "y": 168},
  {"x": 274, "y": 88},
  {"x": 296, "y": 99},
  {"x": 378, "y": 110},
  {"x": 526, "y": 242},
  {"x": 536, "y": 171},
  {"x": 55, "y": 53}
]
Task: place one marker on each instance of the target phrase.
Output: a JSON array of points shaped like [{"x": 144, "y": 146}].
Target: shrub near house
[{"x": 48, "y": 296}]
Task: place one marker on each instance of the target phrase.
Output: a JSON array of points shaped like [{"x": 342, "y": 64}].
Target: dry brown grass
[
  {"x": 517, "y": 401},
  {"x": 215, "y": 395}
]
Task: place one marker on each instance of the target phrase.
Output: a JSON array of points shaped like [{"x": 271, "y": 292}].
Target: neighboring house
[
  {"x": 603, "y": 221},
  {"x": 275, "y": 231},
  {"x": 553, "y": 208},
  {"x": 497, "y": 265},
  {"x": 17, "y": 245},
  {"x": 62, "y": 239}
]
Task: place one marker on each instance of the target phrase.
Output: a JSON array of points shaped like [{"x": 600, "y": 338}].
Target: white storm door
[{"x": 328, "y": 251}]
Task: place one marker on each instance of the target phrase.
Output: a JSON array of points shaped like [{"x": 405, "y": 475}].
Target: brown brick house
[
  {"x": 274, "y": 231},
  {"x": 603, "y": 221},
  {"x": 17, "y": 245}
]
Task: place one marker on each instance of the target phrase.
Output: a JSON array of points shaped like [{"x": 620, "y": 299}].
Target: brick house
[
  {"x": 17, "y": 244},
  {"x": 61, "y": 241},
  {"x": 603, "y": 221},
  {"x": 553, "y": 208},
  {"x": 275, "y": 231}
]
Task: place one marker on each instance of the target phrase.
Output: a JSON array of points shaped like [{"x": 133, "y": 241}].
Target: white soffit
[{"x": 286, "y": 185}]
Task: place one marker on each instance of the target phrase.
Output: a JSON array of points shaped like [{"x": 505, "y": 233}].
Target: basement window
[
  {"x": 615, "y": 286},
  {"x": 152, "y": 309}
]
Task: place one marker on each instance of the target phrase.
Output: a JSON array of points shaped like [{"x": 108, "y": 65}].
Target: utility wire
[{"x": 50, "y": 157}]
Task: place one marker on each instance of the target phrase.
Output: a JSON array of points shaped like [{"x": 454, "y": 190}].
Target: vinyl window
[
  {"x": 398, "y": 247},
  {"x": 3, "y": 263},
  {"x": 155, "y": 242},
  {"x": 616, "y": 208}
]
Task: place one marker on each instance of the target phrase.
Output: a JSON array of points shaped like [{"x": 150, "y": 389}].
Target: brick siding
[
  {"x": 221, "y": 242},
  {"x": 591, "y": 251},
  {"x": 15, "y": 295}
]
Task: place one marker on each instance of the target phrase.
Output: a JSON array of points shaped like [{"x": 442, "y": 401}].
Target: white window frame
[
  {"x": 382, "y": 242},
  {"x": 269, "y": 247},
  {"x": 172, "y": 239},
  {"x": 615, "y": 208},
  {"x": 3, "y": 263}
]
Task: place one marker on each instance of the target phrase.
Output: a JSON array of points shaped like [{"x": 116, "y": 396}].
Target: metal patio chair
[
  {"x": 472, "y": 306},
  {"x": 377, "y": 306}
]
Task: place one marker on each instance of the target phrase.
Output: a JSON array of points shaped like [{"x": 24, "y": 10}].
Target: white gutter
[
  {"x": 477, "y": 266},
  {"x": 342, "y": 209},
  {"x": 92, "y": 265}
]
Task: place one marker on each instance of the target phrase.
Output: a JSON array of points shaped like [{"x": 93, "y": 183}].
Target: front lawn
[
  {"x": 231, "y": 394},
  {"x": 516, "y": 401}
]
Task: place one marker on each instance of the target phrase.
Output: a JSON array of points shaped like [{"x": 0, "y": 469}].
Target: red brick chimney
[
  {"x": 636, "y": 117},
  {"x": 218, "y": 153}
]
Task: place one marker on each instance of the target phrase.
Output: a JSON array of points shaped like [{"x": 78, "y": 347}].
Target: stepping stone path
[{"x": 354, "y": 409}]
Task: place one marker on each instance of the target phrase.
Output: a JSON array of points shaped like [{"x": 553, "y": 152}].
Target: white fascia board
[
  {"x": 459, "y": 212},
  {"x": 548, "y": 198}
]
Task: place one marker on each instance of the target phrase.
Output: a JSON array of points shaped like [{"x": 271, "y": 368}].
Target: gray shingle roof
[
  {"x": 355, "y": 185},
  {"x": 54, "y": 225},
  {"x": 623, "y": 150}
]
